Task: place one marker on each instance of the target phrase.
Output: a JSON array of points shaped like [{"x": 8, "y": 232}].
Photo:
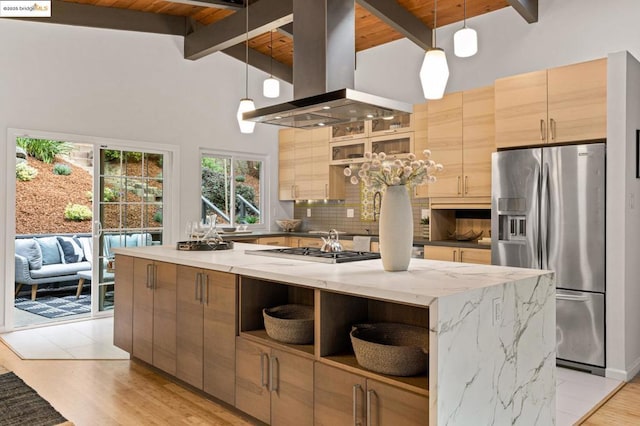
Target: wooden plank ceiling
[{"x": 370, "y": 31}]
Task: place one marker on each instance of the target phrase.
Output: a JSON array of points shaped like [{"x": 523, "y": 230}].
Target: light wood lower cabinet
[
  {"x": 154, "y": 313},
  {"x": 206, "y": 330},
  {"x": 123, "y": 305},
  {"x": 343, "y": 398},
  {"x": 274, "y": 386},
  {"x": 273, "y": 241},
  {"x": 457, "y": 254}
]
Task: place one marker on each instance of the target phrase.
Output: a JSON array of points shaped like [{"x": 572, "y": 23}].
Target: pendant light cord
[
  {"x": 246, "y": 52},
  {"x": 435, "y": 16},
  {"x": 465, "y": 14},
  {"x": 271, "y": 54}
]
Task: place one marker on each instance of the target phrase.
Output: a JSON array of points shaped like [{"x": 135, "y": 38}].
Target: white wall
[
  {"x": 568, "y": 31},
  {"x": 129, "y": 86}
]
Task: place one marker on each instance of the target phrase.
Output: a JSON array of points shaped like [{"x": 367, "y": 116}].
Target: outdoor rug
[
  {"x": 21, "y": 405},
  {"x": 55, "y": 307}
]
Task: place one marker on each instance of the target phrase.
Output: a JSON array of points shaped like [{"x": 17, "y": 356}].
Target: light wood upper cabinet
[
  {"x": 305, "y": 172},
  {"x": 558, "y": 105},
  {"x": 578, "y": 102},
  {"x": 286, "y": 164},
  {"x": 460, "y": 135},
  {"x": 444, "y": 136},
  {"x": 478, "y": 141},
  {"x": 420, "y": 126}
]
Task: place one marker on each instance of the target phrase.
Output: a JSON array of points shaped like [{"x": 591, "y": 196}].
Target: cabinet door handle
[
  {"x": 356, "y": 389},
  {"x": 552, "y": 129},
  {"x": 197, "y": 286},
  {"x": 369, "y": 393},
  {"x": 291, "y": 192},
  {"x": 154, "y": 268},
  {"x": 466, "y": 184},
  {"x": 543, "y": 130},
  {"x": 454, "y": 255},
  {"x": 273, "y": 384},
  {"x": 461, "y": 253},
  {"x": 262, "y": 375},
  {"x": 326, "y": 190},
  {"x": 459, "y": 181},
  {"x": 206, "y": 285},
  {"x": 147, "y": 283}
]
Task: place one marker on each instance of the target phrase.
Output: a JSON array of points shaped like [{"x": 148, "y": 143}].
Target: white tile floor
[
  {"x": 89, "y": 339},
  {"x": 577, "y": 392}
]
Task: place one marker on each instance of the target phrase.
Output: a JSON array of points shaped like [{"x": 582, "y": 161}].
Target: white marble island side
[{"x": 492, "y": 329}]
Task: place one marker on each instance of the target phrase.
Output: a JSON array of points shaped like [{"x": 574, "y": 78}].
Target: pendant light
[
  {"x": 465, "y": 40},
  {"x": 246, "y": 103},
  {"x": 271, "y": 86},
  {"x": 434, "y": 72}
]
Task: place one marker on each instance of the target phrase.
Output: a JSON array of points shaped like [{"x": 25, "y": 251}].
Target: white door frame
[{"x": 171, "y": 217}]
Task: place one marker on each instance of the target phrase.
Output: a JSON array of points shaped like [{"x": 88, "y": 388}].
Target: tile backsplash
[{"x": 335, "y": 214}]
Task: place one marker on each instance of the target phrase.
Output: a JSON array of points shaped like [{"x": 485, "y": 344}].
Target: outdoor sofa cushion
[
  {"x": 30, "y": 249},
  {"x": 60, "y": 270},
  {"x": 50, "y": 250},
  {"x": 70, "y": 249}
]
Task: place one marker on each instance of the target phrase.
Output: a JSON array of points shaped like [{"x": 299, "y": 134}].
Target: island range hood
[{"x": 323, "y": 72}]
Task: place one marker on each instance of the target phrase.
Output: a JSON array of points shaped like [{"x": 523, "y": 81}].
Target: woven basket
[
  {"x": 391, "y": 348},
  {"x": 289, "y": 323}
]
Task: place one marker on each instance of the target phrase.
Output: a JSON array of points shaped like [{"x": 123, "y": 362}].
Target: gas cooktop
[{"x": 314, "y": 254}]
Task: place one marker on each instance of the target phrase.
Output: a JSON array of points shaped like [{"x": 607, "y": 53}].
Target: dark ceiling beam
[
  {"x": 218, "y": 4},
  {"x": 86, "y": 15},
  {"x": 528, "y": 9},
  {"x": 400, "y": 19},
  {"x": 264, "y": 16},
  {"x": 286, "y": 30},
  {"x": 261, "y": 62}
]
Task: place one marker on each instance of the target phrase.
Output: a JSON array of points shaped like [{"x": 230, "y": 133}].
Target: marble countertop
[{"x": 423, "y": 283}]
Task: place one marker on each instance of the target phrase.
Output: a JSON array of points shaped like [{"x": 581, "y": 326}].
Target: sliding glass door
[{"x": 130, "y": 190}]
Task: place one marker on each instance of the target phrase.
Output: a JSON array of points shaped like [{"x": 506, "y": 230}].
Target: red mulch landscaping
[{"x": 40, "y": 203}]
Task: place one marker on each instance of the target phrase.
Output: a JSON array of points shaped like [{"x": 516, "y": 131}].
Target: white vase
[{"x": 396, "y": 229}]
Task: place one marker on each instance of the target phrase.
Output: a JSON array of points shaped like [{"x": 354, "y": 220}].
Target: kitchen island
[{"x": 491, "y": 336}]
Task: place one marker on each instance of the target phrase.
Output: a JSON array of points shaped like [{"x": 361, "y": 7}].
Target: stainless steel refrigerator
[{"x": 548, "y": 212}]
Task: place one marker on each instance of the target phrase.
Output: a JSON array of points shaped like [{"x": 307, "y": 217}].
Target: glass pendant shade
[
  {"x": 434, "y": 73},
  {"x": 246, "y": 105},
  {"x": 271, "y": 88},
  {"x": 465, "y": 42}
]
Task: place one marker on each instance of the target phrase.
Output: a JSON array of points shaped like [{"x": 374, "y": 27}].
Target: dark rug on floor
[
  {"x": 21, "y": 405},
  {"x": 55, "y": 307}
]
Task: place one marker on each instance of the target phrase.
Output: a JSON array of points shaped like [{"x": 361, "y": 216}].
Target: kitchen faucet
[{"x": 377, "y": 196}]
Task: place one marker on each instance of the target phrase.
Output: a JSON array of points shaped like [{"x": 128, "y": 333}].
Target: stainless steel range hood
[{"x": 323, "y": 72}]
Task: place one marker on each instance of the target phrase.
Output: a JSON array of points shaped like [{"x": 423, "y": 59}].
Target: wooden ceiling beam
[
  {"x": 85, "y": 15},
  {"x": 262, "y": 62},
  {"x": 400, "y": 19},
  {"x": 528, "y": 9},
  {"x": 264, "y": 16},
  {"x": 286, "y": 30},
  {"x": 218, "y": 4}
]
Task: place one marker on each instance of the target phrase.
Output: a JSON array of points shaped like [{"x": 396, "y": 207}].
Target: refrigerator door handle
[
  {"x": 571, "y": 297},
  {"x": 545, "y": 207}
]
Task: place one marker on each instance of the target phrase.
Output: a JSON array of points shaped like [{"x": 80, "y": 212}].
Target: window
[{"x": 232, "y": 189}]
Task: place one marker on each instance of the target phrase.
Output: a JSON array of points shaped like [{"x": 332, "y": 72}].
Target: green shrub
[
  {"x": 157, "y": 216},
  {"x": 77, "y": 212},
  {"x": 109, "y": 195},
  {"x": 112, "y": 155},
  {"x": 25, "y": 172},
  {"x": 250, "y": 219},
  {"x": 44, "y": 150},
  {"x": 240, "y": 178},
  {"x": 61, "y": 169},
  {"x": 89, "y": 195}
]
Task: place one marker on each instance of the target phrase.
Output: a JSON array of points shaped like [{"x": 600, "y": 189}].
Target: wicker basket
[
  {"x": 289, "y": 323},
  {"x": 391, "y": 348}
]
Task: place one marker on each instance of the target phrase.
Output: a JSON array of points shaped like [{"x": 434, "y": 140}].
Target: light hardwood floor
[
  {"x": 623, "y": 408},
  {"x": 110, "y": 392},
  {"x": 100, "y": 393}
]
